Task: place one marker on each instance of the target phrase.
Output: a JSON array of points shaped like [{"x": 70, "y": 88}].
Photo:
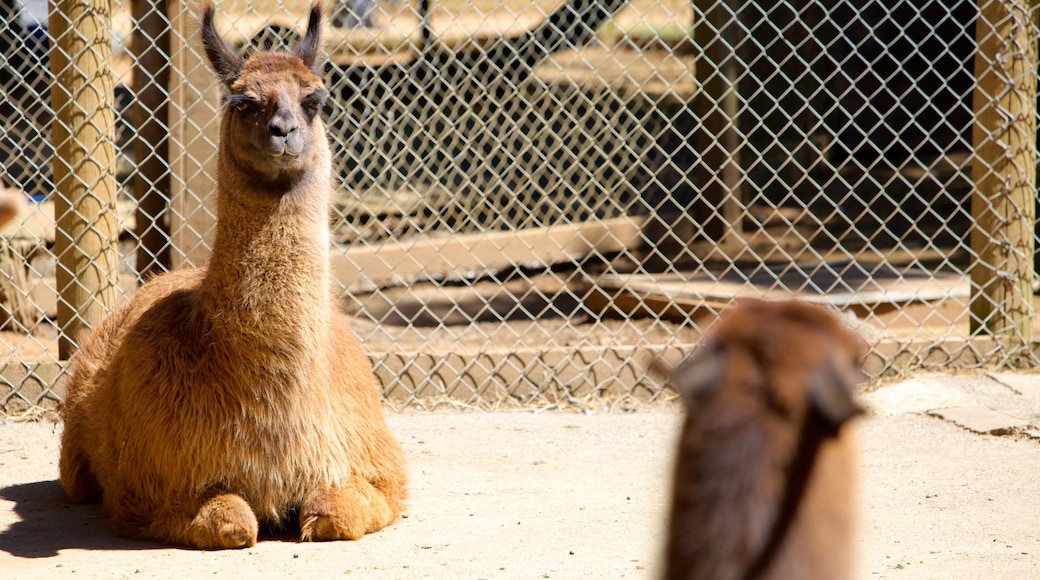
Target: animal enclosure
[{"x": 532, "y": 199}]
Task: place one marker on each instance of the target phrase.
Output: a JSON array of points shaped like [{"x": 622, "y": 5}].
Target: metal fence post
[
  {"x": 84, "y": 165},
  {"x": 1004, "y": 169}
]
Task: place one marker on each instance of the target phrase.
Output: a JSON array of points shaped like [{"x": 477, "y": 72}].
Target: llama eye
[
  {"x": 243, "y": 104},
  {"x": 313, "y": 103}
]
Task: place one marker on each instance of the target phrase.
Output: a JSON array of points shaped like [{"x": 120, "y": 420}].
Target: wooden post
[
  {"x": 194, "y": 129},
  {"x": 1004, "y": 169},
  {"x": 84, "y": 165},
  {"x": 718, "y": 174},
  {"x": 151, "y": 49},
  {"x": 10, "y": 33}
]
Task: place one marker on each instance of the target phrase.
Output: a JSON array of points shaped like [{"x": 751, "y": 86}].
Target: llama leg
[
  {"x": 346, "y": 512},
  {"x": 223, "y": 521}
]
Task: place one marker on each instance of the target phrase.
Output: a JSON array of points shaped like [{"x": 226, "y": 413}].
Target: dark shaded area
[
  {"x": 836, "y": 101},
  {"x": 905, "y": 76},
  {"x": 151, "y": 149},
  {"x": 849, "y": 106},
  {"x": 49, "y": 524}
]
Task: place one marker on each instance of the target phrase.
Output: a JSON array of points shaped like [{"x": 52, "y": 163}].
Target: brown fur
[
  {"x": 12, "y": 201},
  {"x": 747, "y": 391},
  {"x": 223, "y": 398}
]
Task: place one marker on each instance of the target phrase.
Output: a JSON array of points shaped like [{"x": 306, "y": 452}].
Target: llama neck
[
  {"x": 268, "y": 278},
  {"x": 725, "y": 498}
]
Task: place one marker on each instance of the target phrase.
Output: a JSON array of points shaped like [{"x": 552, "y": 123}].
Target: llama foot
[
  {"x": 343, "y": 513},
  {"x": 224, "y": 521}
]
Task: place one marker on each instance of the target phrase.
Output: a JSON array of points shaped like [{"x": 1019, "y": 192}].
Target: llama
[
  {"x": 12, "y": 202},
  {"x": 233, "y": 396},
  {"x": 764, "y": 483}
]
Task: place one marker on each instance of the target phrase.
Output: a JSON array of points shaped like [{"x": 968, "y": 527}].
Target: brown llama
[
  {"x": 12, "y": 202},
  {"x": 765, "y": 477},
  {"x": 223, "y": 398}
]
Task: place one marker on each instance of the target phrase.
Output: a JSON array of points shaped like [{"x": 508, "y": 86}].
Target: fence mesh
[{"x": 536, "y": 197}]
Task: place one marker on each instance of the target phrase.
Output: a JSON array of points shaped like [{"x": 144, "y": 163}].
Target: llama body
[
  {"x": 222, "y": 398},
  {"x": 770, "y": 378}
]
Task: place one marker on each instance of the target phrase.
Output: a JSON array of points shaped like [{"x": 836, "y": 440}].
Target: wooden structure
[
  {"x": 1003, "y": 202},
  {"x": 1004, "y": 170},
  {"x": 84, "y": 165}
]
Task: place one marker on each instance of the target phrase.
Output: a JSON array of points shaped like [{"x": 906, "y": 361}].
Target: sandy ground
[{"x": 556, "y": 495}]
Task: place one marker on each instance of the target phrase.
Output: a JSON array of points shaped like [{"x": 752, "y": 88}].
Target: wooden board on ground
[
  {"x": 467, "y": 256},
  {"x": 848, "y": 285}
]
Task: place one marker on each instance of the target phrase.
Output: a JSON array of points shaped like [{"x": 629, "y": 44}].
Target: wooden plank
[
  {"x": 400, "y": 262},
  {"x": 466, "y": 255},
  {"x": 703, "y": 288},
  {"x": 824, "y": 287}
]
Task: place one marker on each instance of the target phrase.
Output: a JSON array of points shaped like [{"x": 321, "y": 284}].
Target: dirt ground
[{"x": 560, "y": 495}]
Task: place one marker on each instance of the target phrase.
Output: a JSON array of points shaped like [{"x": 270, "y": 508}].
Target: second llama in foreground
[
  {"x": 765, "y": 476},
  {"x": 226, "y": 398}
]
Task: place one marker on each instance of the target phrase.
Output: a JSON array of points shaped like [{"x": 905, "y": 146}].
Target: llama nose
[{"x": 282, "y": 125}]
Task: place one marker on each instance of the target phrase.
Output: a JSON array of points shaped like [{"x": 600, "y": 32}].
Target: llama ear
[
  {"x": 309, "y": 48},
  {"x": 226, "y": 61},
  {"x": 699, "y": 374},
  {"x": 830, "y": 394}
]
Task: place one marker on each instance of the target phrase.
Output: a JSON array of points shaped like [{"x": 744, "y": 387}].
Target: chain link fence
[{"x": 537, "y": 197}]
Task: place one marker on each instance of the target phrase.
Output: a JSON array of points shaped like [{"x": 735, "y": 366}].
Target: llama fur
[
  {"x": 12, "y": 202},
  {"x": 749, "y": 390},
  {"x": 235, "y": 396}
]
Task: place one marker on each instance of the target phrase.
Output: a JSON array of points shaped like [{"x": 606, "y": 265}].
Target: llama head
[
  {"x": 272, "y": 125},
  {"x": 793, "y": 358}
]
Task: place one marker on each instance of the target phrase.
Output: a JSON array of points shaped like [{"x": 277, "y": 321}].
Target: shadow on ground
[{"x": 48, "y": 524}]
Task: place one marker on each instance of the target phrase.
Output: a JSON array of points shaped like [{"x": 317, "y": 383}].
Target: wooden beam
[
  {"x": 151, "y": 48},
  {"x": 398, "y": 263},
  {"x": 719, "y": 174}
]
